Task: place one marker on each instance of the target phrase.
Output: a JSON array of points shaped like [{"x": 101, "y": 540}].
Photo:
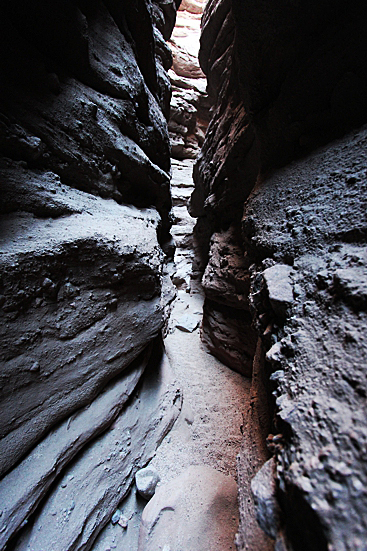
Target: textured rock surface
[
  {"x": 285, "y": 79},
  {"x": 189, "y": 115},
  {"x": 84, "y": 293},
  {"x": 319, "y": 358},
  {"x": 88, "y": 493},
  {"x": 191, "y": 512},
  {"x": 72, "y": 317}
]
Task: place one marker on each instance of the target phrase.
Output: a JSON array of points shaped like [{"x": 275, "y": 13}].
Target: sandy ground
[{"x": 208, "y": 429}]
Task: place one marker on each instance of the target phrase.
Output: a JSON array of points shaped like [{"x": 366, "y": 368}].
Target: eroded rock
[
  {"x": 86, "y": 496},
  {"x": 146, "y": 481},
  {"x": 197, "y": 510}
]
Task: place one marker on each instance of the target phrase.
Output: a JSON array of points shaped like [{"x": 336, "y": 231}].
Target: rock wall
[
  {"x": 282, "y": 253},
  {"x": 190, "y": 105},
  {"x": 85, "y": 173}
]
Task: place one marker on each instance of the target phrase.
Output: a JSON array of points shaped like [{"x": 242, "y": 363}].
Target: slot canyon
[{"x": 183, "y": 275}]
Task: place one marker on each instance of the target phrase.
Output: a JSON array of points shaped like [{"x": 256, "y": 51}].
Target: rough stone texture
[
  {"x": 83, "y": 89},
  {"x": 189, "y": 115},
  {"x": 146, "y": 481},
  {"x": 285, "y": 79},
  {"x": 318, "y": 360},
  {"x": 191, "y": 512},
  {"x": 85, "y": 214},
  {"x": 86, "y": 496}
]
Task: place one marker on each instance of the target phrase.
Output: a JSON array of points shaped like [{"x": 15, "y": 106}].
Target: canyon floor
[{"x": 195, "y": 504}]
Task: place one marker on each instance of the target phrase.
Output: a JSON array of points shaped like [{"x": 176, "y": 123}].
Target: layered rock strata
[
  {"x": 189, "y": 115},
  {"x": 286, "y": 80},
  {"x": 85, "y": 395}
]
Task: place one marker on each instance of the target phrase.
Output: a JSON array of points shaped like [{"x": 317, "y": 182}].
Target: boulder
[{"x": 146, "y": 481}]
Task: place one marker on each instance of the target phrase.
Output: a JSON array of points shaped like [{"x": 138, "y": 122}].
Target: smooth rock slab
[
  {"x": 22, "y": 489},
  {"x": 196, "y": 511},
  {"x": 188, "y": 323},
  {"x": 87, "y": 495}
]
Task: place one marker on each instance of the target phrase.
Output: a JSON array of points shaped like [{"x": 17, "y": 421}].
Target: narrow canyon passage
[
  {"x": 207, "y": 432},
  {"x": 121, "y": 426}
]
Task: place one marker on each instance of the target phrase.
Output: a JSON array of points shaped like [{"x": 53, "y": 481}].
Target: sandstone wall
[
  {"x": 85, "y": 173},
  {"x": 190, "y": 105},
  {"x": 282, "y": 252}
]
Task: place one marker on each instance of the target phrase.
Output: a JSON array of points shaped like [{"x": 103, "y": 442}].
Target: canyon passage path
[{"x": 207, "y": 433}]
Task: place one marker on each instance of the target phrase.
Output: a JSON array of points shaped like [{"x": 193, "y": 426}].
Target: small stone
[
  {"x": 46, "y": 283},
  {"x": 123, "y": 521},
  {"x": 35, "y": 366},
  {"x": 116, "y": 516},
  {"x": 146, "y": 482},
  {"x": 274, "y": 354}
]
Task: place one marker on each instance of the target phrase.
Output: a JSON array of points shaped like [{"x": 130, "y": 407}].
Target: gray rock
[
  {"x": 79, "y": 341},
  {"x": 146, "y": 481},
  {"x": 279, "y": 285},
  {"x": 101, "y": 477},
  {"x": 116, "y": 516},
  {"x": 188, "y": 323},
  {"x": 263, "y": 487},
  {"x": 43, "y": 464}
]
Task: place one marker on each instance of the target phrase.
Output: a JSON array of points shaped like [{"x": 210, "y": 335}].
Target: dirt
[{"x": 208, "y": 429}]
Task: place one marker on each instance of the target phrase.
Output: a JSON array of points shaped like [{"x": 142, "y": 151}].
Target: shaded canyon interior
[{"x": 98, "y": 102}]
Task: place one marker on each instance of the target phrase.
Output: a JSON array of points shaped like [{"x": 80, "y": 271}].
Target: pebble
[
  {"x": 123, "y": 521},
  {"x": 116, "y": 516}
]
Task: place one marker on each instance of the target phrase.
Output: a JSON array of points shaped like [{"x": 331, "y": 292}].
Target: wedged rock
[
  {"x": 146, "y": 481},
  {"x": 197, "y": 510},
  {"x": 80, "y": 300},
  {"x": 192, "y": 6},
  {"x": 279, "y": 286},
  {"x": 263, "y": 487},
  {"x": 24, "y": 487},
  {"x": 86, "y": 496}
]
